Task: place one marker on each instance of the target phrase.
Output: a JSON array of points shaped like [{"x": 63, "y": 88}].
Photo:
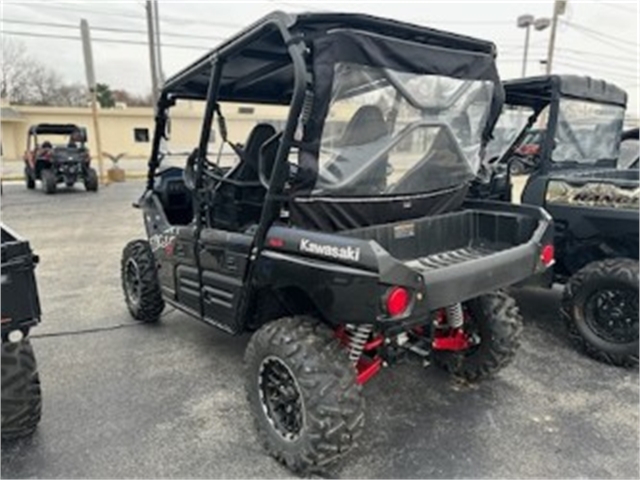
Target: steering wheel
[
  {"x": 521, "y": 164},
  {"x": 211, "y": 171}
]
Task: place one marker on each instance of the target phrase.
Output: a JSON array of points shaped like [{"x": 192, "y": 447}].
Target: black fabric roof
[
  {"x": 538, "y": 91},
  {"x": 257, "y": 65},
  {"x": 53, "y": 129}
]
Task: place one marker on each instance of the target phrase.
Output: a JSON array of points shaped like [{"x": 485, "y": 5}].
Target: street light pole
[{"x": 525, "y": 21}]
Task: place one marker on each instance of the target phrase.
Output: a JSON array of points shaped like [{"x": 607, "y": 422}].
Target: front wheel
[
  {"x": 49, "y": 180},
  {"x": 600, "y": 309},
  {"x": 21, "y": 395},
  {"x": 302, "y": 391},
  {"x": 29, "y": 180},
  {"x": 140, "y": 283},
  {"x": 91, "y": 180},
  {"x": 494, "y": 324}
]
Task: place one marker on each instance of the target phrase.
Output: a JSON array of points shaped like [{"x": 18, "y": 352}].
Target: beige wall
[{"x": 117, "y": 126}]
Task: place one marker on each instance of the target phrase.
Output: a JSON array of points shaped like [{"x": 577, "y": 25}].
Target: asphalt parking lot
[{"x": 167, "y": 400}]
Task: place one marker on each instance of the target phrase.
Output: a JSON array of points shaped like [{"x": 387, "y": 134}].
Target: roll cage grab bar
[{"x": 295, "y": 46}]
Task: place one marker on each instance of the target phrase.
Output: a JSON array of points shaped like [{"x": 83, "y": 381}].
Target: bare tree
[
  {"x": 15, "y": 68},
  {"x": 28, "y": 82},
  {"x": 73, "y": 95}
]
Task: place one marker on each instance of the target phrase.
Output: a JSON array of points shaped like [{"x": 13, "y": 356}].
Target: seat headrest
[
  {"x": 258, "y": 135},
  {"x": 367, "y": 125}
]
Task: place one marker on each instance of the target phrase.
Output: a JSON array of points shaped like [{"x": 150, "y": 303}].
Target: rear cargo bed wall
[{"x": 430, "y": 235}]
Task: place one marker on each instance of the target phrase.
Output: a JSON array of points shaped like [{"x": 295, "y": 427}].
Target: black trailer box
[{"x": 20, "y": 303}]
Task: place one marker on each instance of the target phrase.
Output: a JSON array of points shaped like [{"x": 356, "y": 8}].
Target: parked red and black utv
[
  {"x": 577, "y": 177},
  {"x": 54, "y": 163},
  {"x": 344, "y": 240}
]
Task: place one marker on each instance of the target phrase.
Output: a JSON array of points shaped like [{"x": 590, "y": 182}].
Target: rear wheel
[
  {"x": 600, "y": 308},
  {"x": 49, "y": 180},
  {"x": 28, "y": 179},
  {"x": 302, "y": 391},
  {"x": 21, "y": 395},
  {"x": 140, "y": 282},
  {"x": 91, "y": 180},
  {"x": 493, "y": 323}
]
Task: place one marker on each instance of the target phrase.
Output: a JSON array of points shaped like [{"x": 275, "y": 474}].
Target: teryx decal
[
  {"x": 163, "y": 240},
  {"x": 342, "y": 253}
]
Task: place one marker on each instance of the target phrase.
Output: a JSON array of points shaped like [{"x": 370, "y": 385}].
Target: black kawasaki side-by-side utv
[
  {"x": 594, "y": 204},
  {"x": 344, "y": 241},
  {"x": 60, "y": 163}
]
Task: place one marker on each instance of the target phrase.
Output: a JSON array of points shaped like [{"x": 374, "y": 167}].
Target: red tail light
[
  {"x": 397, "y": 301},
  {"x": 547, "y": 255}
]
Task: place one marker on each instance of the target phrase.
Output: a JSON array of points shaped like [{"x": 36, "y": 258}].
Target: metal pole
[
  {"x": 558, "y": 9},
  {"x": 152, "y": 51},
  {"x": 526, "y": 51},
  {"x": 156, "y": 25},
  {"x": 91, "y": 81}
]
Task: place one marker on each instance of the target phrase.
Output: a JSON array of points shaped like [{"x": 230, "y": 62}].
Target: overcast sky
[{"x": 597, "y": 38}]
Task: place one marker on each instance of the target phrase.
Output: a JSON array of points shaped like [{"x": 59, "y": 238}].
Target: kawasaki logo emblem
[{"x": 343, "y": 253}]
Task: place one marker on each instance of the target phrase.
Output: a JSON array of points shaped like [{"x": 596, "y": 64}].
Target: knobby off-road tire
[
  {"x": 610, "y": 336},
  {"x": 140, "y": 284},
  {"x": 322, "y": 389},
  {"x": 28, "y": 180},
  {"x": 493, "y": 319},
  {"x": 21, "y": 395},
  {"x": 91, "y": 180},
  {"x": 49, "y": 181}
]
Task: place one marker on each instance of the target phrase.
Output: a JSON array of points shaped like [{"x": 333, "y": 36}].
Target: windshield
[
  {"x": 390, "y": 132},
  {"x": 587, "y": 131}
]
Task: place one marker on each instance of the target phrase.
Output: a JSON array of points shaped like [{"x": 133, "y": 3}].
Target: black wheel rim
[
  {"x": 281, "y": 398},
  {"x": 132, "y": 281},
  {"x": 612, "y": 314}
]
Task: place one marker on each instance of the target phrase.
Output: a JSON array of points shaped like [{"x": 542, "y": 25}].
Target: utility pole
[
  {"x": 152, "y": 50},
  {"x": 559, "y": 7},
  {"x": 91, "y": 81},
  {"x": 156, "y": 24}
]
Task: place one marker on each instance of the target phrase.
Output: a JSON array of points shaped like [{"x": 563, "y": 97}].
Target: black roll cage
[
  {"x": 190, "y": 83},
  {"x": 295, "y": 48},
  {"x": 550, "y": 96}
]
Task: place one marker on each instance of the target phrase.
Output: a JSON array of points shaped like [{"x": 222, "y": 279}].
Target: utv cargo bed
[{"x": 467, "y": 253}]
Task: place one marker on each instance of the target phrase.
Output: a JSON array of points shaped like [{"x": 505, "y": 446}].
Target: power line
[
  {"x": 613, "y": 73},
  {"x": 624, "y": 71},
  {"x": 596, "y": 33},
  {"x": 132, "y": 16},
  {"x": 618, "y": 6},
  {"x": 106, "y": 29},
  {"x": 103, "y": 40}
]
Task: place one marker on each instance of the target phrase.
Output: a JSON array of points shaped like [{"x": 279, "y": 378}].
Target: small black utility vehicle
[
  {"x": 21, "y": 397},
  {"x": 342, "y": 240},
  {"x": 58, "y": 163},
  {"x": 594, "y": 205}
]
